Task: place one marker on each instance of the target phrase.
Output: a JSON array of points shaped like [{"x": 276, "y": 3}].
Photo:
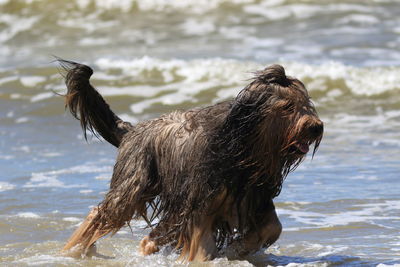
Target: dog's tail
[{"x": 87, "y": 105}]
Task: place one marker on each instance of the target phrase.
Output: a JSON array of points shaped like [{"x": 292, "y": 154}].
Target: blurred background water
[{"x": 154, "y": 56}]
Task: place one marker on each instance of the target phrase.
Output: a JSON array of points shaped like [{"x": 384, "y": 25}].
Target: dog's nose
[{"x": 317, "y": 128}]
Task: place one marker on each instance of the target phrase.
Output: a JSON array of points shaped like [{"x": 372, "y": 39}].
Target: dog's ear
[
  {"x": 255, "y": 98},
  {"x": 246, "y": 107}
]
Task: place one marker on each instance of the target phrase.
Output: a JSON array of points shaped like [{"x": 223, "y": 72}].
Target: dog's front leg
[
  {"x": 264, "y": 234},
  {"x": 157, "y": 237},
  {"x": 202, "y": 245}
]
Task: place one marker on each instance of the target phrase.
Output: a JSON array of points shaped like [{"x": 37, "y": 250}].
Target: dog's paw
[
  {"x": 148, "y": 246},
  {"x": 76, "y": 252}
]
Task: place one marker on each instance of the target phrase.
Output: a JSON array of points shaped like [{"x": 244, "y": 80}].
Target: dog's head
[
  {"x": 289, "y": 111},
  {"x": 284, "y": 121}
]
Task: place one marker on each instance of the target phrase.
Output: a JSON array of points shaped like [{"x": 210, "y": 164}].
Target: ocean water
[{"x": 341, "y": 208}]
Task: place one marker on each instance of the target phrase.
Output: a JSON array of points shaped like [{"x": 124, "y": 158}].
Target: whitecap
[
  {"x": 265, "y": 42},
  {"x": 90, "y": 24},
  {"x": 5, "y": 186},
  {"x": 43, "y": 180},
  {"x": 71, "y": 219},
  {"x": 28, "y": 215},
  {"x": 138, "y": 91},
  {"x": 41, "y": 96},
  {"x": 127, "y": 117},
  {"x": 361, "y": 81},
  {"x": 331, "y": 250},
  {"x": 51, "y": 154},
  {"x": 22, "y": 120},
  {"x": 198, "y": 27},
  {"x": 8, "y": 79},
  {"x": 89, "y": 41},
  {"x": 32, "y": 81},
  {"x": 87, "y": 191},
  {"x": 47, "y": 180},
  {"x": 50, "y": 178},
  {"x": 191, "y": 6},
  {"x": 15, "y": 25},
  {"x": 25, "y": 149},
  {"x": 6, "y": 157},
  {"x": 102, "y": 176},
  {"x": 237, "y": 32},
  {"x": 370, "y": 213},
  {"x": 360, "y": 19},
  {"x": 15, "y": 96}
]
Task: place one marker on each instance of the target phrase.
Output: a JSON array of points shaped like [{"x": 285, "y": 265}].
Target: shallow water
[{"x": 151, "y": 57}]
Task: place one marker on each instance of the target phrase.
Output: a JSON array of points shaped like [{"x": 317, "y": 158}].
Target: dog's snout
[{"x": 317, "y": 128}]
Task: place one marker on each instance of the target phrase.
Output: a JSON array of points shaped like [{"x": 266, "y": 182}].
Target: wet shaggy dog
[{"x": 203, "y": 179}]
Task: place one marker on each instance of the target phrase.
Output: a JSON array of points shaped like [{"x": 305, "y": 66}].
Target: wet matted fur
[{"x": 205, "y": 178}]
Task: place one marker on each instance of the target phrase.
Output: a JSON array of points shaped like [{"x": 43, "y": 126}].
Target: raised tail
[{"x": 88, "y": 106}]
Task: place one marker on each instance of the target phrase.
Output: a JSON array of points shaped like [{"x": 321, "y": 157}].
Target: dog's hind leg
[{"x": 82, "y": 241}]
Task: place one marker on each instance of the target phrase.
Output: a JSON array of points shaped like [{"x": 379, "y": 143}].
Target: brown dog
[{"x": 207, "y": 175}]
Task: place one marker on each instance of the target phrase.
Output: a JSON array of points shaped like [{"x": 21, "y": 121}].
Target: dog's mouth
[
  {"x": 301, "y": 144},
  {"x": 302, "y": 148}
]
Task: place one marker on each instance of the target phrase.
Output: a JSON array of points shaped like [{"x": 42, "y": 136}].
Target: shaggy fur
[{"x": 202, "y": 179}]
